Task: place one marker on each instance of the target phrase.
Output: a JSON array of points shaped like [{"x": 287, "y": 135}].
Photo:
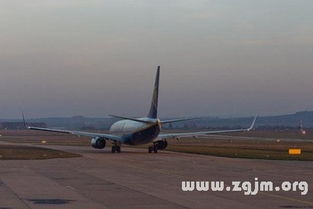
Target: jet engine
[{"x": 98, "y": 142}]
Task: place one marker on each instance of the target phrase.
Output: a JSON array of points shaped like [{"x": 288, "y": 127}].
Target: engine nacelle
[
  {"x": 98, "y": 142},
  {"x": 161, "y": 144}
]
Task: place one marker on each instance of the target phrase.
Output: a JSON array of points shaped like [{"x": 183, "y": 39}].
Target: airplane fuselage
[{"x": 136, "y": 133}]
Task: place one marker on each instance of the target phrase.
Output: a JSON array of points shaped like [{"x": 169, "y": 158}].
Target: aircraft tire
[
  {"x": 150, "y": 149},
  {"x": 113, "y": 149},
  {"x": 155, "y": 149}
]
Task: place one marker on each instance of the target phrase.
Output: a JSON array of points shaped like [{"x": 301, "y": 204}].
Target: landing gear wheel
[
  {"x": 150, "y": 149},
  {"x": 116, "y": 148},
  {"x": 113, "y": 149},
  {"x": 155, "y": 149}
]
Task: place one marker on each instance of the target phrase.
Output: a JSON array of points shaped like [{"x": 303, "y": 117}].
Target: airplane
[{"x": 138, "y": 131}]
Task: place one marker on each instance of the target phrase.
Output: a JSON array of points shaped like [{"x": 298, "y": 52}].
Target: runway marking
[{"x": 288, "y": 198}]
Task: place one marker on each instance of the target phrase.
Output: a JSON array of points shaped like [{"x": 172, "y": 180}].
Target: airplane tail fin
[{"x": 153, "y": 113}]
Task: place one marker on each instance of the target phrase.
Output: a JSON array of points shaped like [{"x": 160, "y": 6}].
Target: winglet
[
  {"x": 252, "y": 124},
  {"x": 24, "y": 122}
]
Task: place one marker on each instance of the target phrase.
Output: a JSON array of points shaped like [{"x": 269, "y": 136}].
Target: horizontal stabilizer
[
  {"x": 133, "y": 119},
  {"x": 177, "y": 120}
]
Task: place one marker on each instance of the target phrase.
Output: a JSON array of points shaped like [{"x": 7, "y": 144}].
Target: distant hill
[
  {"x": 292, "y": 120},
  {"x": 264, "y": 122}
]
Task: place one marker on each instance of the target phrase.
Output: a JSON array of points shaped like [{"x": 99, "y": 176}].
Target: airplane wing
[
  {"x": 204, "y": 133},
  {"x": 79, "y": 133}
]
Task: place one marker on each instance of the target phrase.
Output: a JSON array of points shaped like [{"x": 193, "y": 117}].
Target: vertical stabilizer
[{"x": 153, "y": 113}]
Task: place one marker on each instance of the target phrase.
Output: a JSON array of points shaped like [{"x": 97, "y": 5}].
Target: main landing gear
[
  {"x": 116, "y": 148},
  {"x": 159, "y": 145},
  {"x": 153, "y": 149}
]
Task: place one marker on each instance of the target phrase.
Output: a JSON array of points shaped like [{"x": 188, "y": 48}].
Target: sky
[{"x": 98, "y": 57}]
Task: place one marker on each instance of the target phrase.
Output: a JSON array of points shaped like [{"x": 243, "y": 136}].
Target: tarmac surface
[{"x": 135, "y": 179}]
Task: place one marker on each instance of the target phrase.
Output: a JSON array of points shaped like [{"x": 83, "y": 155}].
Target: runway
[{"x": 135, "y": 179}]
